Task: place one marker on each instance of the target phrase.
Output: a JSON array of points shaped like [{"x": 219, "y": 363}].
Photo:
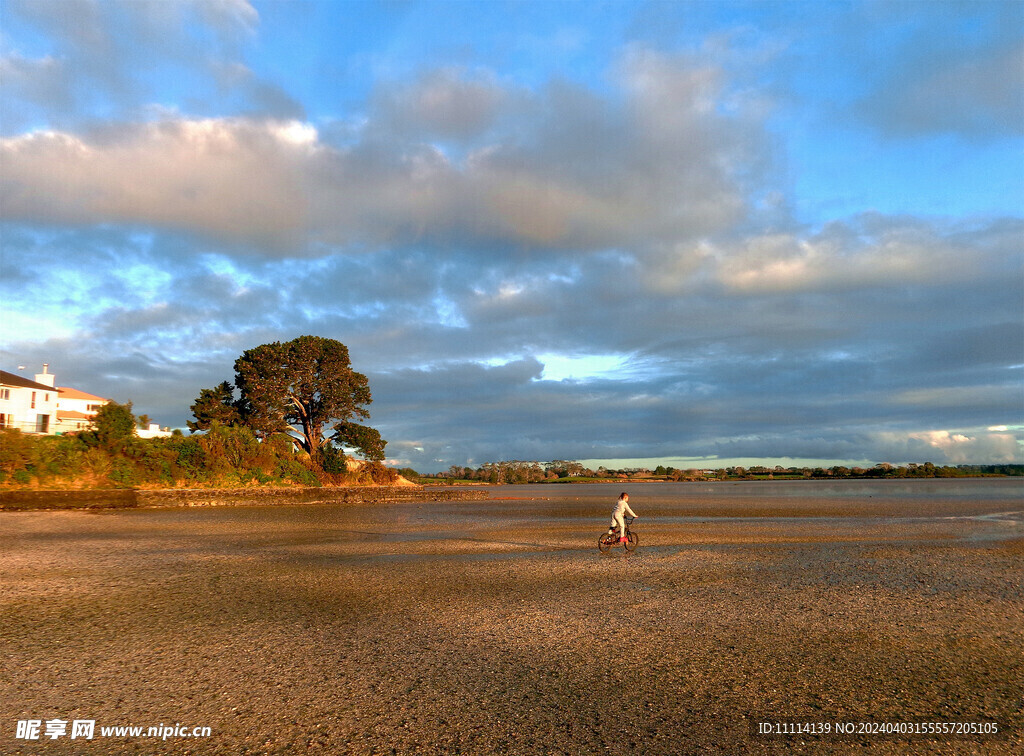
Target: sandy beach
[{"x": 497, "y": 627}]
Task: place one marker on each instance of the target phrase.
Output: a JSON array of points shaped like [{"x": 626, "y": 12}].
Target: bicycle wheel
[
  {"x": 604, "y": 543},
  {"x": 633, "y": 540}
]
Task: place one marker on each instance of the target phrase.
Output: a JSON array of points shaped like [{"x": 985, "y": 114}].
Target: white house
[
  {"x": 30, "y": 406},
  {"x": 153, "y": 431},
  {"x": 75, "y": 409},
  {"x": 40, "y": 406}
]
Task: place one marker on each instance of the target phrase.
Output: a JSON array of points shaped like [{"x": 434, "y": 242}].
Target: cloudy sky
[{"x": 690, "y": 232}]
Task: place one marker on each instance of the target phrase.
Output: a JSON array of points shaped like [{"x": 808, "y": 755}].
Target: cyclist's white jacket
[{"x": 621, "y": 508}]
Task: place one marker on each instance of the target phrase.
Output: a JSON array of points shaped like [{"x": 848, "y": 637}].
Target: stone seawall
[{"x": 226, "y": 497}]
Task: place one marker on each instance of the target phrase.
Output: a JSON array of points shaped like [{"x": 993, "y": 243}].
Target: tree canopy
[
  {"x": 305, "y": 387},
  {"x": 215, "y": 405},
  {"x": 112, "y": 424}
]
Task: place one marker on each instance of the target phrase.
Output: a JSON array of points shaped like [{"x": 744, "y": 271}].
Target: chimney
[{"x": 46, "y": 377}]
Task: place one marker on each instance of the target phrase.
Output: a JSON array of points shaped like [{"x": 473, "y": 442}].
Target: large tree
[{"x": 299, "y": 387}]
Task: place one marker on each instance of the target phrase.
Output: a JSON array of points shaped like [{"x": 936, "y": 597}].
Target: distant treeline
[
  {"x": 112, "y": 456},
  {"x": 561, "y": 471}
]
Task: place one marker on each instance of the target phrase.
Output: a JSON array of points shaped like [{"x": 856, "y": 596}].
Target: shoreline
[
  {"x": 163, "y": 498},
  {"x": 86, "y": 499}
]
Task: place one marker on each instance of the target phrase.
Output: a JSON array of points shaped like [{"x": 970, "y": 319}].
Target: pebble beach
[{"x": 495, "y": 626}]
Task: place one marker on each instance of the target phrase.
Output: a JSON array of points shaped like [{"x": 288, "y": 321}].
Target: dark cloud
[
  {"x": 857, "y": 373},
  {"x": 861, "y": 371}
]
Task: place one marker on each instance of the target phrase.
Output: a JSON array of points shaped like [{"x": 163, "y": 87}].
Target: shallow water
[
  {"x": 988, "y": 489},
  {"x": 559, "y": 519}
]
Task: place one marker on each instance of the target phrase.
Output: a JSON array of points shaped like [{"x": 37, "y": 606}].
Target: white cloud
[
  {"x": 872, "y": 251},
  {"x": 579, "y": 172},
  {"x": 958, "y": 448},
  {"x": 228, "y": 178},
  {"x": 446, "y": 103}
]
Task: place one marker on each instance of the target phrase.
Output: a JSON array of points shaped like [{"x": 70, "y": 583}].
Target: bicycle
[{"x": 606, "y": 541}]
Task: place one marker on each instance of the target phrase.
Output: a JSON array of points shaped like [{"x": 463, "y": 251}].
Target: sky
[{"x": 623, "y": 232}]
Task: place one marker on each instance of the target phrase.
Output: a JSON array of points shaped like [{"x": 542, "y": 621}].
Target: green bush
[
  {"x": 122, "y": 473},
  {"x": 260, "y": 477},
  {"x": 332, "y": 461},
  {"x": 375, "y": 472},
  {"x": 96, "y": 462},
  {"x": 154, "y": 460},
  {"x": 409, "y": 474},
  {"x": 294, "y": 471},
  {"x": 56, "y": 457},
  {"x": 15, "y": 450},
  {"x": 190, "y": 457}
]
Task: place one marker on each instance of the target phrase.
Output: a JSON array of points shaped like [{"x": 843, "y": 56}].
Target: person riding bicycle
[{"x": 618, "y": 516}]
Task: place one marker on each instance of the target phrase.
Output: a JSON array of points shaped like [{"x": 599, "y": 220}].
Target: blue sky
[{"x": 604, "y": 231}]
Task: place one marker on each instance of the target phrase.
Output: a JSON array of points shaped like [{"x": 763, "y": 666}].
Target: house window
[
  {"x": 5, "y": 393},
  {"x": 42, "y": 423},
  {"x": 4, "y": 420},
  {"x": 33, "y": 400}
]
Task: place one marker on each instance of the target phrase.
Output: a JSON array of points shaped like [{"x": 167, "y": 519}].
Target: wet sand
[{"x": 496, "y": 627}]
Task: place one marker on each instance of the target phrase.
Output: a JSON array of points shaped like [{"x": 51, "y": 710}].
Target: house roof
[
  {"x": 72, "y": 415},
  {"x": 67, "y": 392},
  {"x": 12, "y": 379}
]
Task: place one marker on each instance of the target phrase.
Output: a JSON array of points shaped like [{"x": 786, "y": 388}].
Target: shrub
[
  {"x": 409, "y": 474},
  {"x": 58, "y": 456},
  {"x": 15, "y": 450},
  {"x": 97, "y": 463},
  {"x": 295, "y": 471},
  {"x": 260, "y": 477},
  {"x": 375, "y": 472},
  {"x": 123, "y": 473},
  {"x": 191, "y": 458},
  {"x": 332, "y": 461}
]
